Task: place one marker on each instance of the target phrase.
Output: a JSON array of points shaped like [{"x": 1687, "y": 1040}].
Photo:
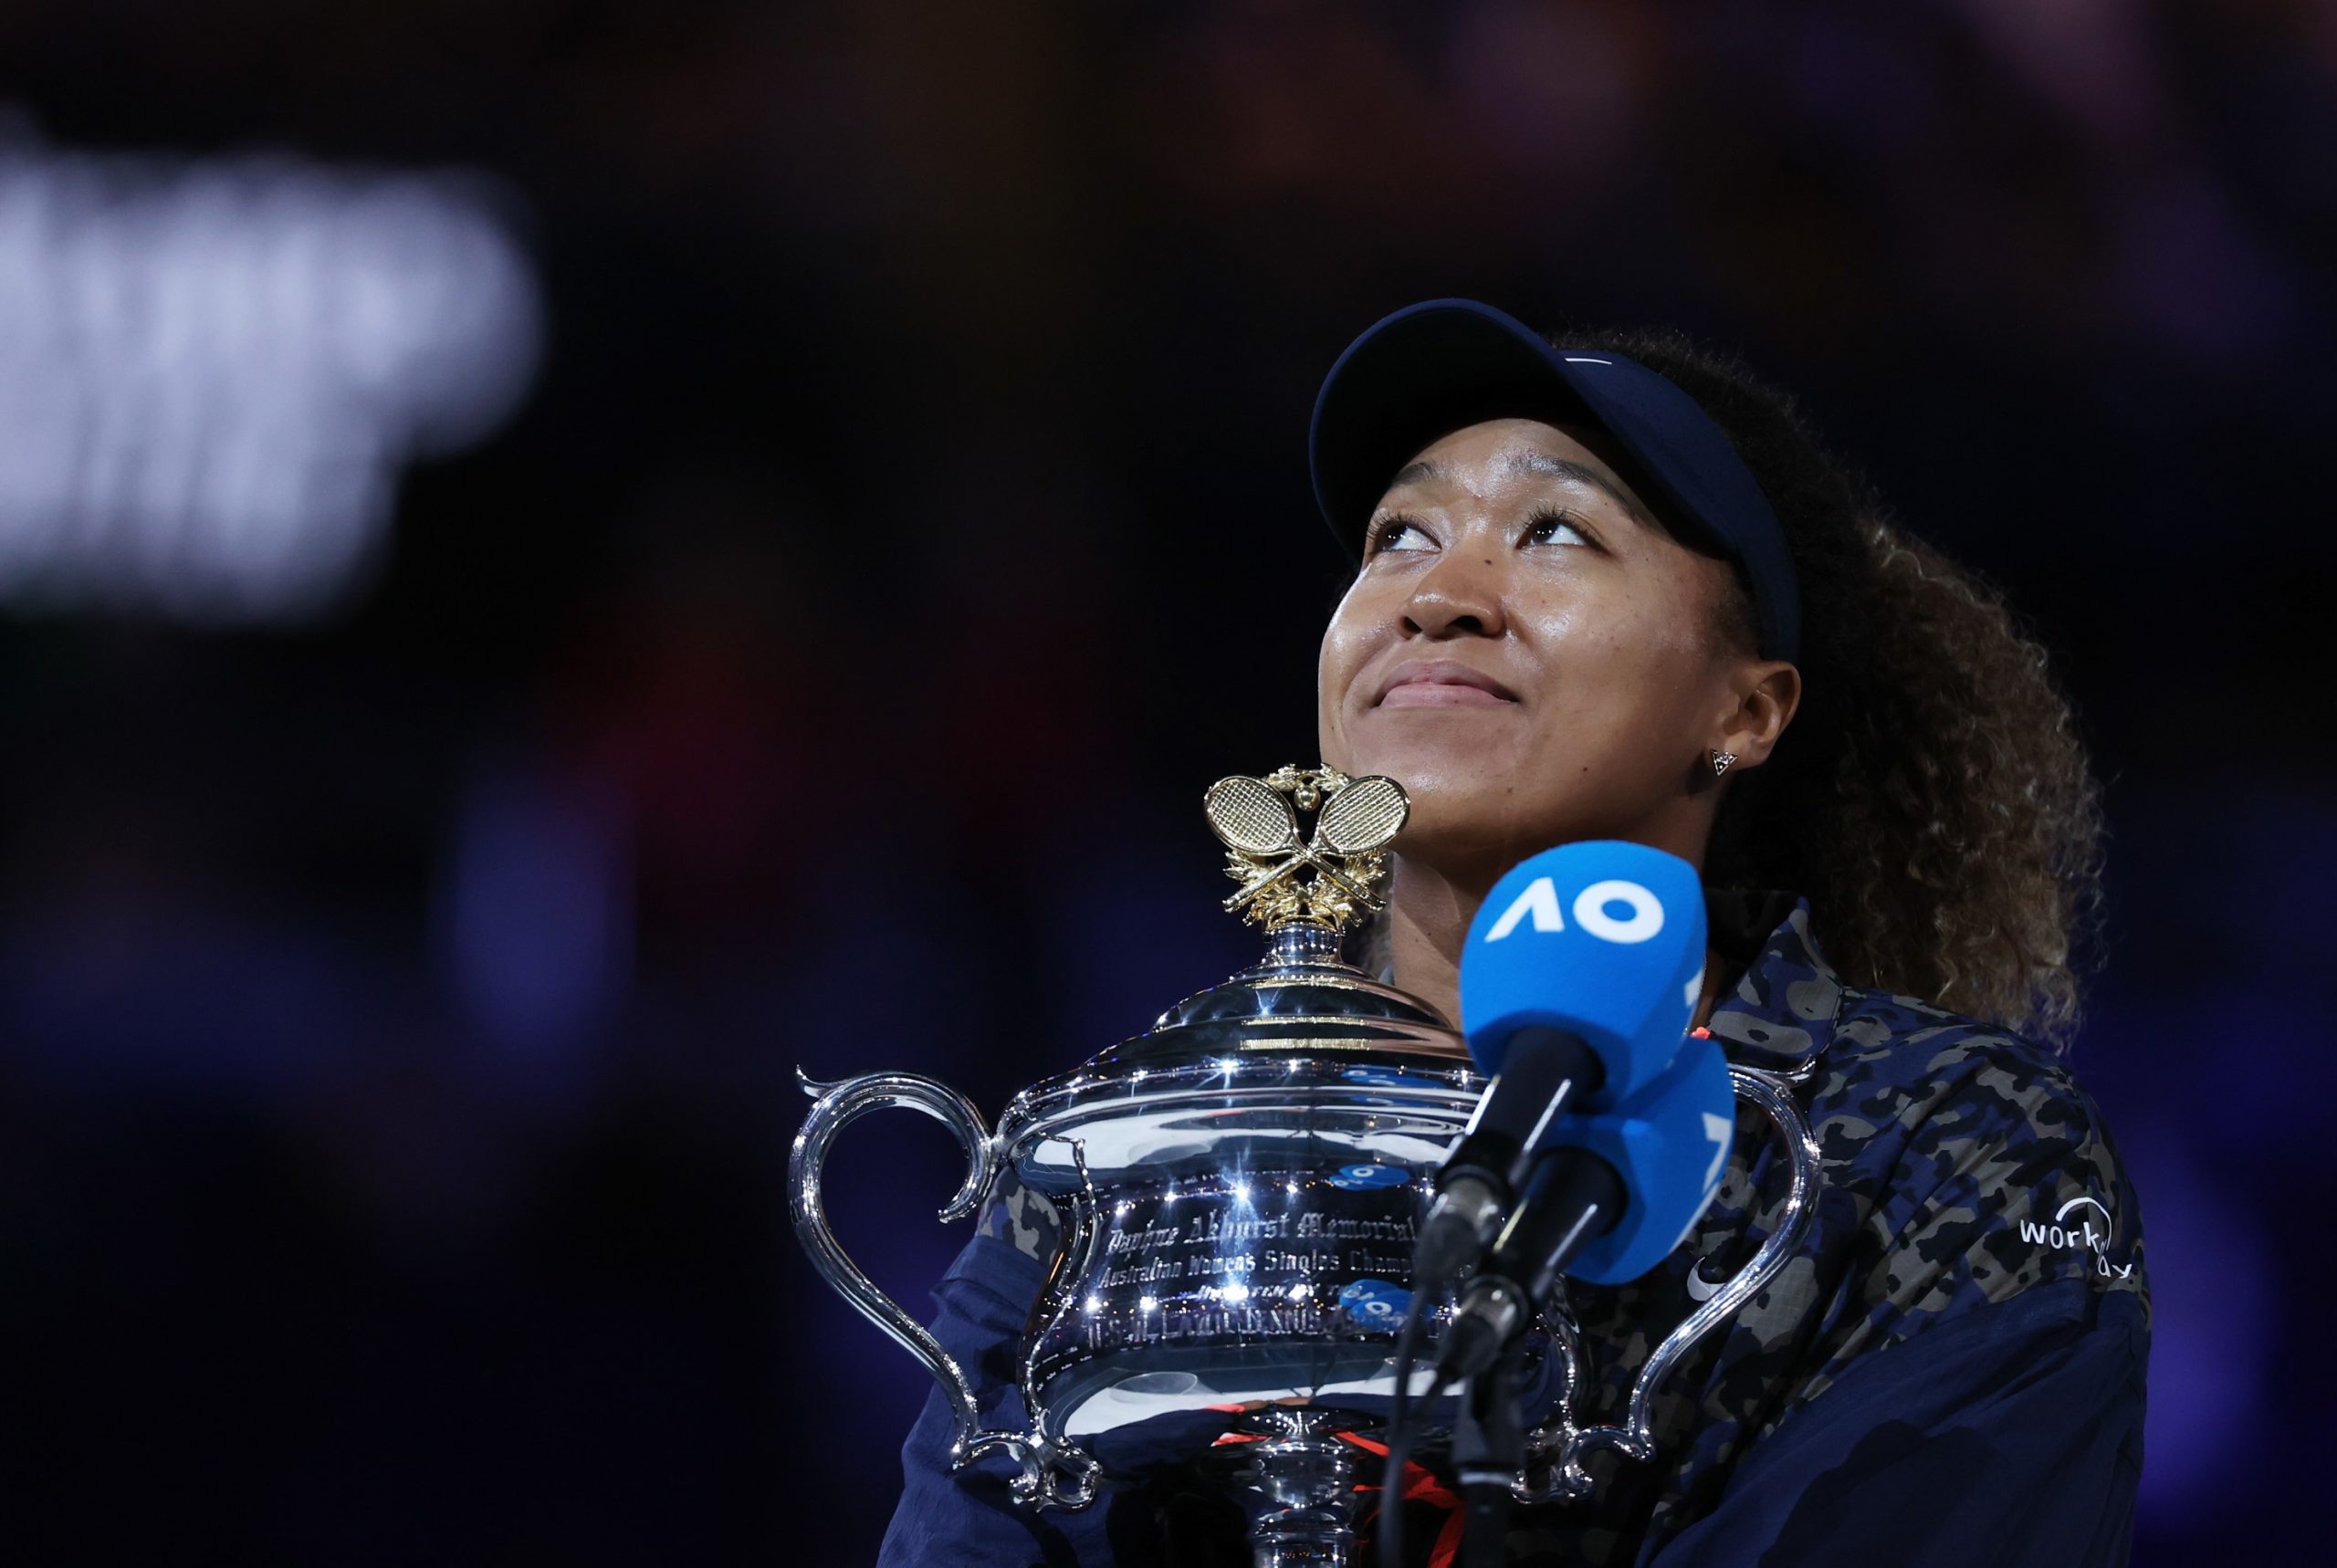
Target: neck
[{"x": 1428, "y": 923}]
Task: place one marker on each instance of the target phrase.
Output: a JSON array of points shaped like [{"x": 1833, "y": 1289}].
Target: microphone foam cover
[
  {"x": 1670, "y": 1143},
  {"x": 1603, "y": 939}
]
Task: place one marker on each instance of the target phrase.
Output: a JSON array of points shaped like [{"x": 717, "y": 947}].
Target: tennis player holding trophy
[{"x": 1748, "y": 1214}]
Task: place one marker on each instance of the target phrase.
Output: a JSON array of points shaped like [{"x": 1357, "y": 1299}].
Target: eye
[
  {"x": 1547, "y": 526},
  {"x": 1397, "y": 532}
]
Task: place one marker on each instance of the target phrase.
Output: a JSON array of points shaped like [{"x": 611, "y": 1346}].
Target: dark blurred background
[{"x": 561, "y": 560}]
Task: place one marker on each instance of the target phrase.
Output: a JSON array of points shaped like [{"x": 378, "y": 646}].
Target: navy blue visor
[{"x": 1432, "y": 367}]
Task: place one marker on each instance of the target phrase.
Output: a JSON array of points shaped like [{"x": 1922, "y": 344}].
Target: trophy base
[{"x": 1299, "y": 1490}]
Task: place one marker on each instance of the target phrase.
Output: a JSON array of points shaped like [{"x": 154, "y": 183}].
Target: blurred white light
[{"x": 212, "y": 370}]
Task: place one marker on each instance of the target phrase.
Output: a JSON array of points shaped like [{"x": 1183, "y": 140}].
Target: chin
[
  {"x": 1450, "y": 764},
  {"x": 1469, "y": 821},
  {"x": 1441, "y": 741},
  {"x": 1468, "y": 781}
]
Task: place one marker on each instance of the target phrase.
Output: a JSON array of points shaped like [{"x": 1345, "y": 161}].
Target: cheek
[
  {"x": 1623, "y": 675},
  {"x": 1669, "y": 678},
  {"x": 1334, "y": 669},
  {"x": 1347, "y": 643}
]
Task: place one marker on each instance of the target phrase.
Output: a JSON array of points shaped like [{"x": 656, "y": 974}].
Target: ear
[{"x": 1767, "y": 692}]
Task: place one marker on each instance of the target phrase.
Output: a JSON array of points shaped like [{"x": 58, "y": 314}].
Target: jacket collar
[{"x": 1782, "y": 1011}]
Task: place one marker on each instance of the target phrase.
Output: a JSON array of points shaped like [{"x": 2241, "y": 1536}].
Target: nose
[{"x": 1459, "y": 596}]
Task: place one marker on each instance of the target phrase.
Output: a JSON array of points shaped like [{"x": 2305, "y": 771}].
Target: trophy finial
[{"x": 1330, "y": 878}]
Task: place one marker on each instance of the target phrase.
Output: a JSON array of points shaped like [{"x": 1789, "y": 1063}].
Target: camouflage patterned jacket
[{"x": 1949, "y": 1370}]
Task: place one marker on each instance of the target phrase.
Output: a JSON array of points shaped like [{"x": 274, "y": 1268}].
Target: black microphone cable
[{"x": 1391, "y": 1532}]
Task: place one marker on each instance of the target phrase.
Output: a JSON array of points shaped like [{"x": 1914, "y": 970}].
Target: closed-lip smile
[{"x": 1440, "y": 683}]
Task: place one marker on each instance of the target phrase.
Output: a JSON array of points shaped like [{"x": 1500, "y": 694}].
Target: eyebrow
[{"x": 1546, "y": 466}]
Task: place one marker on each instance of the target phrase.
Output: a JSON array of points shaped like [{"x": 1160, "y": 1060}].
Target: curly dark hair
[{"x": 1932, "y": 797}]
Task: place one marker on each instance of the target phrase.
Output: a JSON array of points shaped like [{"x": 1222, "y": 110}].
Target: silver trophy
[{"x": 1240, "y": 1187}]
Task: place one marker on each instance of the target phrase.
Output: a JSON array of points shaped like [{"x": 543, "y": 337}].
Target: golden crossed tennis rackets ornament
[{"x": 1257, "y": 820}]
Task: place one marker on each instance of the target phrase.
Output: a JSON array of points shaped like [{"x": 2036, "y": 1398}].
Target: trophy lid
[
  {"x": 1306, "y": 895},
  {"x": 1301, "y": 996},
  {"x": 1298, "y": 1038}
]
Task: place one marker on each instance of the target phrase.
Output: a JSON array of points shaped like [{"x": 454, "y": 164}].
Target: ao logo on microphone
[{"x": 1594, "y": 911}]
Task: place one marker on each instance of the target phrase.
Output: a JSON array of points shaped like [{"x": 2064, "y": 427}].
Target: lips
[{"x": 1441, "y": 682}]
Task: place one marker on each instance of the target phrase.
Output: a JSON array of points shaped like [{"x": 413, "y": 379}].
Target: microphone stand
[{"x": 1488, "y": 1450}]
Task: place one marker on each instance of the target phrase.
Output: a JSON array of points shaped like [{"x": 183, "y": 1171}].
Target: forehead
[{"x": 1499, "y": 452}]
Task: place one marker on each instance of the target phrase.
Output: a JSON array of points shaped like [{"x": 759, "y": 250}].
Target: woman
[{"x": 1616, "y": 590}]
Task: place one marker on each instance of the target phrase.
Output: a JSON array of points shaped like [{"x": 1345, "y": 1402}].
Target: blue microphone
[
  {"x": 1610, "y": 1198},
  {"x": 1578, "y": 980},
  {"x": 1603, "y": 940}
]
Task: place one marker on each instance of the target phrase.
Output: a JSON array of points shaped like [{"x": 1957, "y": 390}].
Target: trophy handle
[
  {"x": 1054, "y": 1474},
  {"x": 1555, "y": 1471}
]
